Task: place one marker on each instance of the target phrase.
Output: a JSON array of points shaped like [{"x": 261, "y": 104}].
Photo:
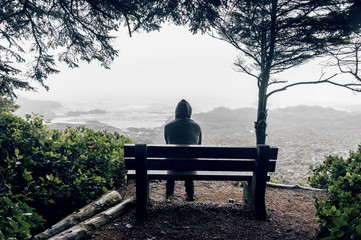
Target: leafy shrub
[
  {"x": 339, "y": 215},
  {"x": 55, "y": 172},
  {"x": 323, "y": 174},
  {"x": 17, "y": 218}
]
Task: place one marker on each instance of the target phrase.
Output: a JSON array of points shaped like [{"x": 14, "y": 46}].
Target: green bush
[
  {"x": 332, "y": 168},
  {"x": 55, "y": 172},
  {"x": 340, "y": 214},
  {"x": 17, "y": 218}
]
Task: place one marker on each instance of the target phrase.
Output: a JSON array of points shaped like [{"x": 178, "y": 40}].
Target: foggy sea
[{"x": 122, "y": 117}]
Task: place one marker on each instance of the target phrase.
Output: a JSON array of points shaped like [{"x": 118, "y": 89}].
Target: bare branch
[
  {"x": 243, "y": 68},
  {"x": 356, "y": 87},
  {"x": 348, "y": 60}
]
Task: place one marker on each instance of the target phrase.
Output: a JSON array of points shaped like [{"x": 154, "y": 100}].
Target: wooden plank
[
  {"x": 129, "y": 150},
  {"x": 199, "y": 164},
  {"x": 273, "y": 153},
  {"x": 271, "y": 166},
  {"x": 129, "y": 163},
  {"x": 196, "y": 164},
  {"x": 198, "y": 151},
  {"x": 199, "y": 175}
]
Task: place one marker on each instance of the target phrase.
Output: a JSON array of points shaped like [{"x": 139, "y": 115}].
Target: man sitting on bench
[{"x": 182, "y": 130}]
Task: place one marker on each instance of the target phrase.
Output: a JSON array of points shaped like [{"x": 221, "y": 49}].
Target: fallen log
[
  {"x": 84, "y": 229},
  {"x": 82, "y": 214}
]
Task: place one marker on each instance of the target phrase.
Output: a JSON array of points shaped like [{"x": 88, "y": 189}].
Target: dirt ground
[{"x": 217, "y": 213}]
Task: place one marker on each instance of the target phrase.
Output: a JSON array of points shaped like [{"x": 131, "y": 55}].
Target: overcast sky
[{"x": 166, "y": 66}]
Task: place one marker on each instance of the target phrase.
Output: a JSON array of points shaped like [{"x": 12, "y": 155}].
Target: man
[{"x": 182, "y": 130}]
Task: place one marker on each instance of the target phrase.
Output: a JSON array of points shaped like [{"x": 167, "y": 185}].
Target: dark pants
[{"x": 189, "y": 185}]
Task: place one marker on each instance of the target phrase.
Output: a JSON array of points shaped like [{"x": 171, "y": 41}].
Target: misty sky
[{"x": 166, "y": 66}]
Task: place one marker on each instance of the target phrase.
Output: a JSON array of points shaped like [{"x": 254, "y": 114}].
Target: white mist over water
[{"x": 124, "y": 116}]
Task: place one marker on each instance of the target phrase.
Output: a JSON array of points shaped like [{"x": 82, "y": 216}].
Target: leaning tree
[{"x": 273, "y": 36}]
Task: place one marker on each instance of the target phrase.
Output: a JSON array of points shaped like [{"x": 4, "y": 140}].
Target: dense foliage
[
  {"x": 340, "y": 214},
  {"x": 49, "y": 173}
]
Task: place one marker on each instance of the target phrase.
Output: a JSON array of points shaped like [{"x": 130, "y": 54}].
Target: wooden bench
[{"x": 146, "y": 162}]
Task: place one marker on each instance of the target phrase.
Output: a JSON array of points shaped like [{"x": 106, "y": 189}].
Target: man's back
[{"x": 183, "y": 130}]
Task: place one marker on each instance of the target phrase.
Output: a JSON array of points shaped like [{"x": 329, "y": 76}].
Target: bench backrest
[{"x": 200, "y": 158}]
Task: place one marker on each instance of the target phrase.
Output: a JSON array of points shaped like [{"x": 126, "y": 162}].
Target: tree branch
[
  {"x": 244, "y": 69},
  {"x": 128, "y": 25},
  {"x": 347, "y": 62},
  {"x": 327, "y": 80}
]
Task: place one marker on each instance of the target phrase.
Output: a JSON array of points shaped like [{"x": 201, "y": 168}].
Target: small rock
[
  {"x": 231, "y": 200},
  {"x": 129, "y": 225}
]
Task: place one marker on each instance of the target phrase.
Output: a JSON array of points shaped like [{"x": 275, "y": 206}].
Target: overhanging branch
[
  {"x": 351, "y": 86},
  {"x": 343, "y": 61}
]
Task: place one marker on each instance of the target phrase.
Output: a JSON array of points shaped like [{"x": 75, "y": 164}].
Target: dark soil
[{"x": 217, "y": 213}]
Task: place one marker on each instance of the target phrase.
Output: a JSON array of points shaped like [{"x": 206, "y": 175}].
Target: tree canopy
[{"x": 35, "y": 34}]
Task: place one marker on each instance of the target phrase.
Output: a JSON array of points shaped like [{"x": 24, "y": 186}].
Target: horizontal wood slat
[
  {"x": 199, "y": 175},
  {"x": 198, "y": 164},
  {"x": 199, "y": 151}
]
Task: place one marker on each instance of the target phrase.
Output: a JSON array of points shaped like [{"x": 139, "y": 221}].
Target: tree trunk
[{"x": 261, "y": 123}]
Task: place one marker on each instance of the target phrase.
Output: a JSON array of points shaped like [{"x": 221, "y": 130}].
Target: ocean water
[
  {"x": 147, "y": 116},
  {"x": 120, "y": 114}
]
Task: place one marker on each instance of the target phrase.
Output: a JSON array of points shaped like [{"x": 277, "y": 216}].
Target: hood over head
[{"x": 183, "y": 110}]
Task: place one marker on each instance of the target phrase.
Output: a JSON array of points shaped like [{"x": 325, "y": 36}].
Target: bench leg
[
  {"x": 142, "y": 183},
  {"x": 254, "y": 191},
  {"x": 255, "y": 197}
]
